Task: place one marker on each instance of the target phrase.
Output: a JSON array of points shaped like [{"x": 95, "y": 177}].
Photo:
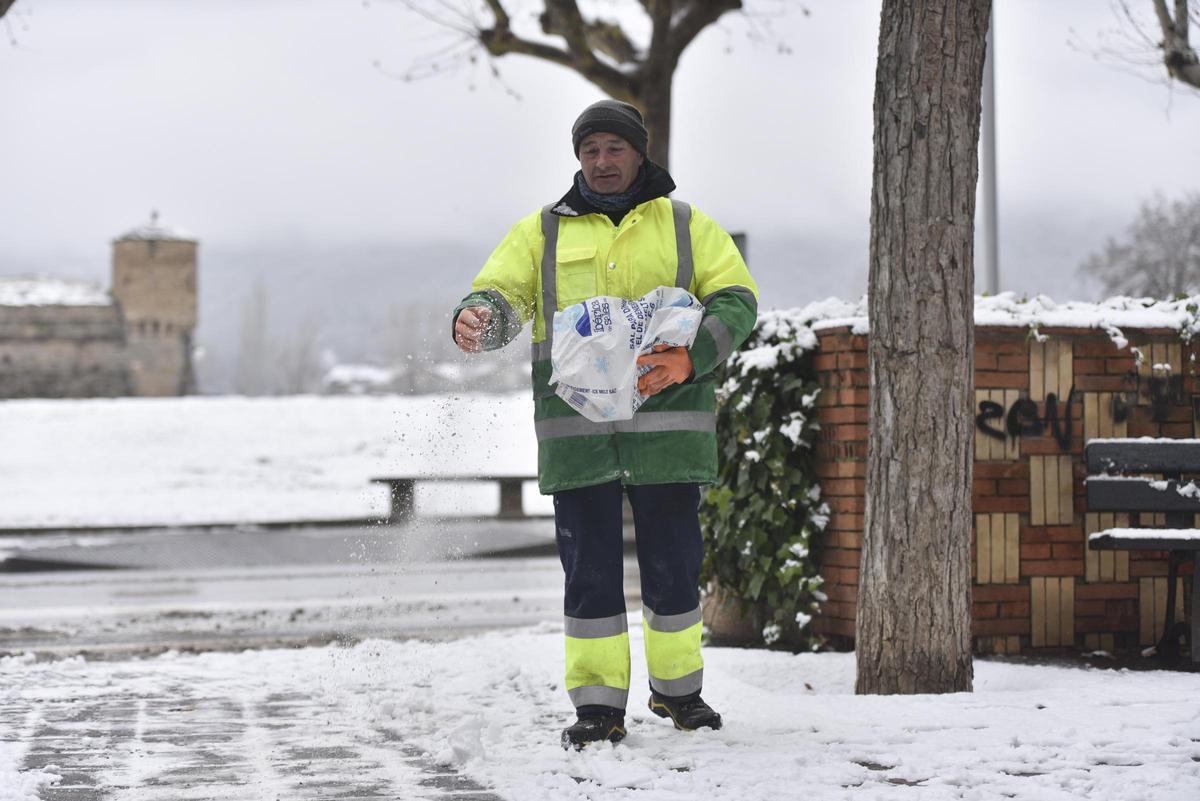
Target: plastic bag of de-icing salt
[{"x": 597, "y": 343}]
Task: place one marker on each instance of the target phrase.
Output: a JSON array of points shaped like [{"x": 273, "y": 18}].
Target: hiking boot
[
  {"x": 593, "y": 729},
  {"x": 686, "y": 713}
]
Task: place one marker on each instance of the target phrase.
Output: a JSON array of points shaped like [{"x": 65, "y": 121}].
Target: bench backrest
[{"x": 1167, "y": 457}]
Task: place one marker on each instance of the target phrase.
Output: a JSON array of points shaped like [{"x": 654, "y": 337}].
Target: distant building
[{"x": 60, "y": 339}]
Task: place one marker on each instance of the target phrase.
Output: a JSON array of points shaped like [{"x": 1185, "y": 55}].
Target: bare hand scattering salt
[{"x": 597, "y": 343}]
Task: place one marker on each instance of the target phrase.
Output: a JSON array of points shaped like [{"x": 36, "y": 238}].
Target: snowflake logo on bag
[{"x": 601, "y": 364}]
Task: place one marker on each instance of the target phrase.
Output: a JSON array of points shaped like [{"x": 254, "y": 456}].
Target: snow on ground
[
  {"x": 17, "y": 784},
  {"x": 231, "y": 459},
  {"x": 493, "y": 705}
]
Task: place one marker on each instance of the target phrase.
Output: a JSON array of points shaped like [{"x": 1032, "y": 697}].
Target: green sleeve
[{"x": 730, "y": 296}]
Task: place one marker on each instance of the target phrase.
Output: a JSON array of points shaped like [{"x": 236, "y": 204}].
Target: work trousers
[{"x": 669, "y": 551}]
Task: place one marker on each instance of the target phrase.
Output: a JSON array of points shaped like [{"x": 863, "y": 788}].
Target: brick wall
[{"x": 1036, "y": 584}]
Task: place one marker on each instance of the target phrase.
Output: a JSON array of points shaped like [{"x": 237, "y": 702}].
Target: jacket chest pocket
[{"x": 575, "y": 268}]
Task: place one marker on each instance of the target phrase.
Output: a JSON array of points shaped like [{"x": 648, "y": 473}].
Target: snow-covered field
[
  {"x": 493, "y": 705},
  {"x": 230, "y": 459}
]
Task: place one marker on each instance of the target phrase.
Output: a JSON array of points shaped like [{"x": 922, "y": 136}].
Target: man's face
[{"x": 609, "y": 163}]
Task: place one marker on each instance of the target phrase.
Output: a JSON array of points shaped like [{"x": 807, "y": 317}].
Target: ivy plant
[{"x": 762, "y": 517}]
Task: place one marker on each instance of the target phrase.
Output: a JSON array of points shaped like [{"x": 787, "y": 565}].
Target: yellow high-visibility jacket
[{"x": 660, "y": 242}]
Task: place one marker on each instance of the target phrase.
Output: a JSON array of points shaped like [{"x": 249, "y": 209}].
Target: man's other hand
[
  {"x": 669, "y": 366},
  {"x": 469, "y": 327}
]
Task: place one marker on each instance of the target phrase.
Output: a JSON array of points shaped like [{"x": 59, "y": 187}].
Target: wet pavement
[
  {"x": 149, "y": 592},
  {"x": 425, "y": 540}
]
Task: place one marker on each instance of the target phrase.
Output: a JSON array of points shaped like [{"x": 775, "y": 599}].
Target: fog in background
[{"x": 343, "y": 211}]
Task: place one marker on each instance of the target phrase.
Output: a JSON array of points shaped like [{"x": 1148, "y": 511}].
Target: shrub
[{"x": 762, "y": 517}]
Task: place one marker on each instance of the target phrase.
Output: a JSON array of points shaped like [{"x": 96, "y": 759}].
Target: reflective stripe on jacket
[{"x": 672, "y": 436}]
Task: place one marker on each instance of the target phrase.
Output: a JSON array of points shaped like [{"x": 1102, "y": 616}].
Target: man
[{"x": 616, "y": 233}]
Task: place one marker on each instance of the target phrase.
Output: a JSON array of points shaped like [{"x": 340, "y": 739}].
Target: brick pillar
[{"x": 841, "y": 366}]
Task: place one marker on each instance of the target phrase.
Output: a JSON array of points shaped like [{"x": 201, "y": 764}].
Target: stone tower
[{"x": 154, "y": 285}]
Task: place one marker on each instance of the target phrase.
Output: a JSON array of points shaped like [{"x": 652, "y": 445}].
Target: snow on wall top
[
  {"x": 153, "y": 231},
  {"x": 51, "y": 292},
  {"x": 1006, "y": 309}
]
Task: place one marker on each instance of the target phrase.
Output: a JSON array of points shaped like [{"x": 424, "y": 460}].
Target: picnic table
[{"x": 1114, "y": 485}]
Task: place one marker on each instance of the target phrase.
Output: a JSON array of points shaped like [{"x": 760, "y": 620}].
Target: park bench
[
  {"x": 1113, "y": 485},
  {"x": 403, "y": 494}
]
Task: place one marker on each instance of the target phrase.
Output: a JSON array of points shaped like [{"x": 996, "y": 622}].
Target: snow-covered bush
[{"x": 761, "y": 518}]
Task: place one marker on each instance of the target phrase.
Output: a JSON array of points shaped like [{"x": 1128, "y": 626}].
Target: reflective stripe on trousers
[
  {"x": 597, "y": 654},
  {"x": 673, "y": 652},
  {"x": 588, "y": 523}
]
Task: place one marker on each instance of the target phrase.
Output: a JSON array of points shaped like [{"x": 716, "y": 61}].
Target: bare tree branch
[
  {"x": 699, "y": 15},
  {"x": 5, "y": 5},
  {"x": 1130, "y": 19},
  {"x": 500, "y": 41},
  {"x": 501, "y": 15},
  {"x": 570, "y": 26},
  {"x": 598, "y": 49},
  {"x": 1179, "y": 56}
]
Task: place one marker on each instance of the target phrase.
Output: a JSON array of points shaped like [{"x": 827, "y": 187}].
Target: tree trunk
[
  {"x": 914, "y": 599},
  {"x": 1179, "y": 56},
  {"x": 655, "y": 102}
]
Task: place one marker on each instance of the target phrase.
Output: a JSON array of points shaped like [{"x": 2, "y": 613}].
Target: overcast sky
[{"x": 264, "y": 123}]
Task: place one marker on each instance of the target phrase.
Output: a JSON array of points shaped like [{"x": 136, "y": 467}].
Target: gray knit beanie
[{"x": 611, "y": 116}]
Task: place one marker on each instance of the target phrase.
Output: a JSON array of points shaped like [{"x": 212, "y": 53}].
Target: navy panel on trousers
[
  {"x": 670, "y": 547},
  {"x": 587, "y": 524}
]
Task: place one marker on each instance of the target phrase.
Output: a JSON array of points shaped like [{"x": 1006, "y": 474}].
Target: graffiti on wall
[{"x": 1021, "y": 418}]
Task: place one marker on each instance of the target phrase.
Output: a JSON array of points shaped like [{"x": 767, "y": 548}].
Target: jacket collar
[{"x": 658, "y": 184}]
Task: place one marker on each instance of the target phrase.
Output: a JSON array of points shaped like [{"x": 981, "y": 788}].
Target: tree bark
[
  {"x": 914, "y": 599},
  {"x": 655, "y": 101}
]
